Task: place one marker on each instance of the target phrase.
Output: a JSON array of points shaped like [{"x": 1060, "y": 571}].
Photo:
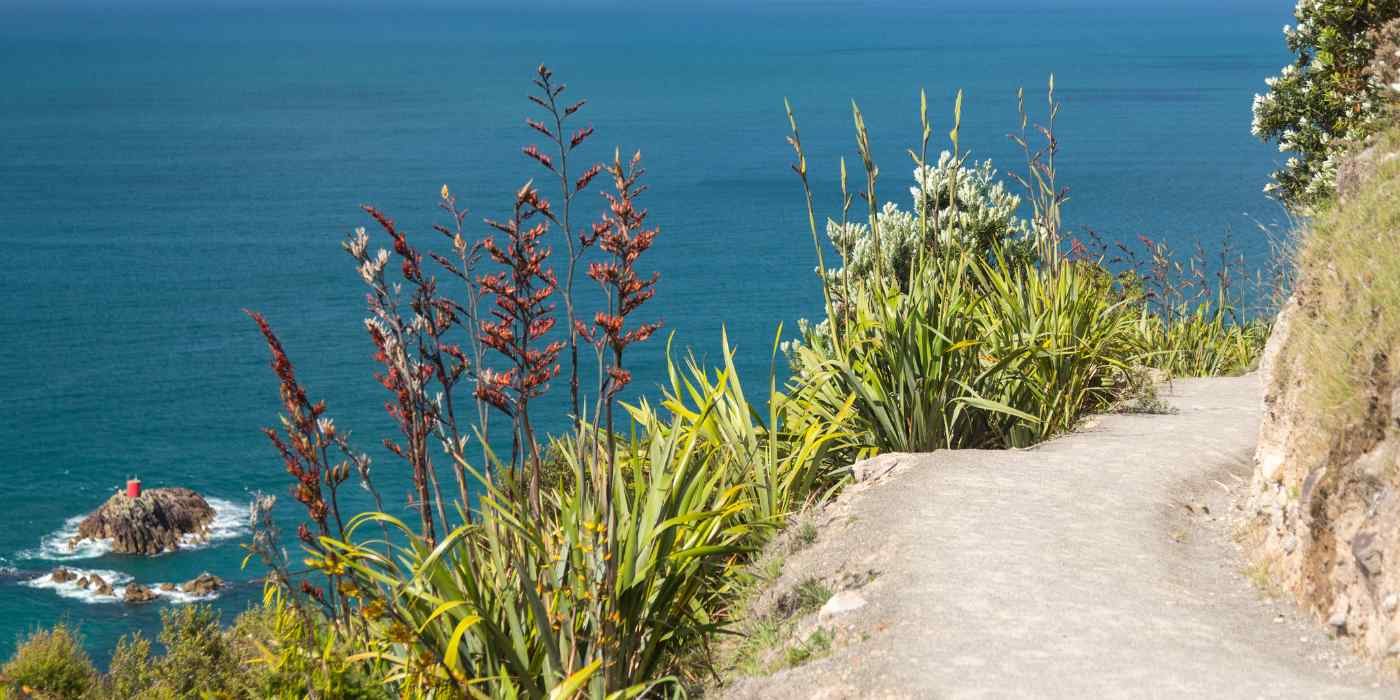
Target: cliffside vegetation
[
  {"x": 602, "y": 562},
  {"x": 1324, "y": 490},
  {"x": 1351, "y": 287}
]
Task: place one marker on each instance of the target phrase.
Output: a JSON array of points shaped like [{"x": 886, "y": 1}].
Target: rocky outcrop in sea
[{"x": 156, "y": 521}]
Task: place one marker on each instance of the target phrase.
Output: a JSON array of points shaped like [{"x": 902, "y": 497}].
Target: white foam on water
[
  {"x": 230, "y": 522},
  {"x": 180, "y": 597},
  {"x": 71, "y": 589},
  {"x": 54, "y": 546}
]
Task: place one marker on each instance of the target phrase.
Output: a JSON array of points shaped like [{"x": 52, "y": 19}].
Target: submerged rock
[{"x": 151, "y": 523}]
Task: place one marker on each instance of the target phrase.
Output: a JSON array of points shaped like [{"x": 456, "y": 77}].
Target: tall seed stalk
[
  {"x": 800, "y": 167},
  {"x": 871, "y": 199},
  {"x": 568, "y": 190},
  {"x": 1045, "y": 195},
  {"x": 920, "y": 165}
]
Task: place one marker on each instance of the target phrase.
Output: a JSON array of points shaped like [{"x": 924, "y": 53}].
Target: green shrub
[
  {"x": 976, "y": 354},
  {"x": 966, "y": 332},
  {"x": 131, "y": 674},
  {"x": 779, "y": 462},
  {"x": 265, "y": 654},
  {"x": 1325, "y": 99},
  {"x": 907, "y": 361},
  {"x": 50, "y": 663},
  {"x": 1058, "y": 345},
  {"x": 283, "y": 652},
  {"x": 197, "y": 657},
  {"x": 1202, "y": 342}
]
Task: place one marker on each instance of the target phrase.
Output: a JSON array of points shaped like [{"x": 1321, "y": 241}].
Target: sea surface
[{"x": 162, "y": 169}]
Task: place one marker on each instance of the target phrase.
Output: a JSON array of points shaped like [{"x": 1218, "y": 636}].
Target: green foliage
[
  {"x": 198, "y": 658},
  {"x": 1058, "y": 345},
  {"x": 1190, "y": 322},
  {"x": 284, "y": 652},
  {"x": 1326, "y": 98},
  {"x": 976, "y": 354},
  {"x": 811, "y": 595},
  {"x": 530, "y": 605},
  {"x": 816, "y": 645},
  {"x": 905, "y": 359},
  {"x": 49, "y": 664},
  {"x": 1205, "y": 341},
  {"x": 778, "y": 462},
  {"x": 267, "y": 653},
  {"x": 629, "y": 561},
  {"x": 131, "y": 673},
  {"x": 967, "y": 332}
]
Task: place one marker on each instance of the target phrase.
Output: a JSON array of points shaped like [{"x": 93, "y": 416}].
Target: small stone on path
[{"x": 840, "y": 604}]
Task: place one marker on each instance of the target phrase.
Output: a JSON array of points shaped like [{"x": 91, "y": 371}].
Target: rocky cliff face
[
  {"x": 1326, "y": 490},
  {"x": 151, "y": 523}
]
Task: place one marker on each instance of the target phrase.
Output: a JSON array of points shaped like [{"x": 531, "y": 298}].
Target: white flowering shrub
[
  {"x": 984, "y": 219},
  {"x": 1327, "y": 97}
]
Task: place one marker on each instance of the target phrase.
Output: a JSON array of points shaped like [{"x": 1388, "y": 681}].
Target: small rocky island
[{"x": 149, "y": 522}]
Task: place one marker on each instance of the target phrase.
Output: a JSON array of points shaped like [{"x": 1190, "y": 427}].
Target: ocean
[{"x": 163, "y": 168}]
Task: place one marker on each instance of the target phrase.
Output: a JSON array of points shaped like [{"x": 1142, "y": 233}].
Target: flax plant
[
  {"x": 780, "y": 459},
  {"x": 595, "y": 586},
  {"x": 872, "y": 200},
  {"x": 562, "y": 603},
  {"x": 978, "y": 348},
  {"x": 520, "y": 329},
  {"x": 1193, "y": 318},
  {"x": 1073, "y": 345}
]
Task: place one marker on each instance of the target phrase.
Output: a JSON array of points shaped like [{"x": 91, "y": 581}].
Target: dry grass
[{"x": 1349, "y": 286}]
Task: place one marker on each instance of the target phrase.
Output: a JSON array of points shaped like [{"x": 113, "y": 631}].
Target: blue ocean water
[{"x": 161, "y": 169}]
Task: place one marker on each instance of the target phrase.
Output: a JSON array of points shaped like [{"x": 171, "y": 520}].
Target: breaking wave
[{"x": 117, "y": 580}]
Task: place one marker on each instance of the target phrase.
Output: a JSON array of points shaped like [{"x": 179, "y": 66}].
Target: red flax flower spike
[
  {"x": 623, "y": 235},
  {"x": 522, "y": 317}
]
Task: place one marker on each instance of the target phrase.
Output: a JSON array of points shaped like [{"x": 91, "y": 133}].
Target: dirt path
[{"x": 1097, "y": 564}]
